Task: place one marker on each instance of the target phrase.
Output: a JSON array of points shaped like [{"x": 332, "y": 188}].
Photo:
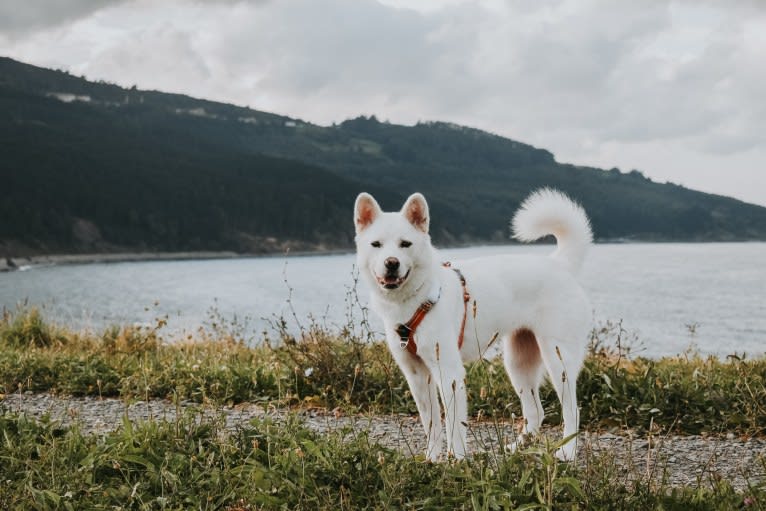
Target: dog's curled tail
[{"x": 547, "y": 211}]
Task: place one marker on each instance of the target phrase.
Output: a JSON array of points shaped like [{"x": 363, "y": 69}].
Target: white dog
[{"x": 438, "y": 317}]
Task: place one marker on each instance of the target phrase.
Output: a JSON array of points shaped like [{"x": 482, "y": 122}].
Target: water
[{"x": 668, "y": 296}]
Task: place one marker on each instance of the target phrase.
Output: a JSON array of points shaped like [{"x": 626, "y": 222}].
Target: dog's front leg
[
  {"x": 450, "y": 376},
  {"x": 424, "y": 391}
]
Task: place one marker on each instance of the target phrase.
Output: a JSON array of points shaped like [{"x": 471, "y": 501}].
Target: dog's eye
[
  {"x": 375, "y": 244},
  {"x": 405, "y": 244}
]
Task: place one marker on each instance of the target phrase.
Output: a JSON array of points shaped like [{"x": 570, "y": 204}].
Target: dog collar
[{"x": 406, "y": 331}]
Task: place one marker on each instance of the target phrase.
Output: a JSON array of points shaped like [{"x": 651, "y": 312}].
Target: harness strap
[
  {"x": 466, "y": 299},
  {"x": 406, "y": 331}
]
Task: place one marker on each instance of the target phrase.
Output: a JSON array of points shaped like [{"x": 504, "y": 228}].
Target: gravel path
[{"x": 683, "y": 460}]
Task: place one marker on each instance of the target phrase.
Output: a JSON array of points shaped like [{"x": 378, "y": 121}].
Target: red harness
[{"x": 406, "y": 331}]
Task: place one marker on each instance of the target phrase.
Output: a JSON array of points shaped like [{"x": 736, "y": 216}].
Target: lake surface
[{"x": 667, "y": 296}]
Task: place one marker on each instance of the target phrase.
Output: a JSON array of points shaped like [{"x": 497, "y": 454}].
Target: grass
[{"x": 192, "y": 463}]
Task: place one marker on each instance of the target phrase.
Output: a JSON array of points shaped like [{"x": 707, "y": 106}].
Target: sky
[{"x": 675, "y": 89}]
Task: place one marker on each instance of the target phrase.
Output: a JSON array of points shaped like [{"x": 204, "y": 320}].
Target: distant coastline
[
  {"x": 21, "y": 263},
  {"x": 25, "y": 262}
]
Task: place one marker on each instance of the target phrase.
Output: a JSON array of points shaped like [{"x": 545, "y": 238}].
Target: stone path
[{"x": 683, "y": 460}]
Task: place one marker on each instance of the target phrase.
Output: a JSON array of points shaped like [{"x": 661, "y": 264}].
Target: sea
[{"x": 655, "y": 299}]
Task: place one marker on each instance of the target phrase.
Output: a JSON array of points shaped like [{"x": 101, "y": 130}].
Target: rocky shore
[
  {"x": 678, "y": 460},
  {"x": 17, "y": 263},
  {"x": 22, "y": 263}
]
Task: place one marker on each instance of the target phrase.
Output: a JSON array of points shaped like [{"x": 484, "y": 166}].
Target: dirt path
[{"x": 684, "y": 460}]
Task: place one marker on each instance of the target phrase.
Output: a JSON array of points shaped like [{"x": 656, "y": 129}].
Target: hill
[{"x": 91, "y": 166}]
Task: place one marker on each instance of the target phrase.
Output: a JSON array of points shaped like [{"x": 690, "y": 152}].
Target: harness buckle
[{"x": 403, "y": 331}]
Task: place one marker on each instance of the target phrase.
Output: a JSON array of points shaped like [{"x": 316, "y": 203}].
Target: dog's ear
[
  {"x": 415, "y": 210},
  {"x": 366, "y": 210}
]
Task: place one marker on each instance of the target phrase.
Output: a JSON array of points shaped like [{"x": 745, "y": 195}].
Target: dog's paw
[
  {"x": 456, "y": 455},
  {"x": 434, "y": 455},
  {"x": 518, "y": 444}
]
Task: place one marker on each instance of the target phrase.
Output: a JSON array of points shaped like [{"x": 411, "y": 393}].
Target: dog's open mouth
[{"x": 393, "y": 281}]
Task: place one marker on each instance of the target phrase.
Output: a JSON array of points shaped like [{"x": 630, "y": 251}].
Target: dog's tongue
[{"x": 390, "y": 281}]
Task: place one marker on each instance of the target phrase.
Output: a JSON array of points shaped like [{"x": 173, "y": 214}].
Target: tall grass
[{"x": 684, "y": 394}]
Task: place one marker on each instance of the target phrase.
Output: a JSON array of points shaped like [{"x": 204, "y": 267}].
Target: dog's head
[{"x": 392, "y": 248}]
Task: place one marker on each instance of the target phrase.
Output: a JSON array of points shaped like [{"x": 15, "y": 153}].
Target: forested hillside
[{"x": 95, "y": 167}]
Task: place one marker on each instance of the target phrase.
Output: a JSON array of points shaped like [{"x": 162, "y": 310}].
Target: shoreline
[
  {"x": 21, "y": 263},
  {"x": 16, "y": 263}
]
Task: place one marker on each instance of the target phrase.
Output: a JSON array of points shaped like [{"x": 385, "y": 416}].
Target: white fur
[
  {"x": 549, "y": 211},
  {"x": 512, "y": 294}
]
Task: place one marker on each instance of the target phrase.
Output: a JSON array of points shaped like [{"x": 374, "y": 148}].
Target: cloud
[
  {"x": 163, "y": 40},
  {"x": 17, "y": 17},
  {"x": 21, "y": 17}
]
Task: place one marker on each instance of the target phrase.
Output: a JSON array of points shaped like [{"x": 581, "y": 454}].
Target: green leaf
[
  {"x": 571, "y": 483},
  {"x": 531, "y": 505}
]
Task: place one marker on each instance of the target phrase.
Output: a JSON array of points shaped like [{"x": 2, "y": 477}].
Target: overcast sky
[{"x": 674, "y": 89}]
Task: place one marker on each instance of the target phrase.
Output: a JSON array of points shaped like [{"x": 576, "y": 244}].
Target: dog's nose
[{"x": 392, "y": 264}]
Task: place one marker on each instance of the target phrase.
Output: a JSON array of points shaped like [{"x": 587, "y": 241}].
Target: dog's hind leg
[
  {"x": 521, "y": 357},
  {"x": 563, "y": 364},
  {"x": 425, "y": 392}
]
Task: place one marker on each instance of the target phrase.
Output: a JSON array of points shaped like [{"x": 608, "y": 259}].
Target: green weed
[{"x": 193, "y": 463}]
